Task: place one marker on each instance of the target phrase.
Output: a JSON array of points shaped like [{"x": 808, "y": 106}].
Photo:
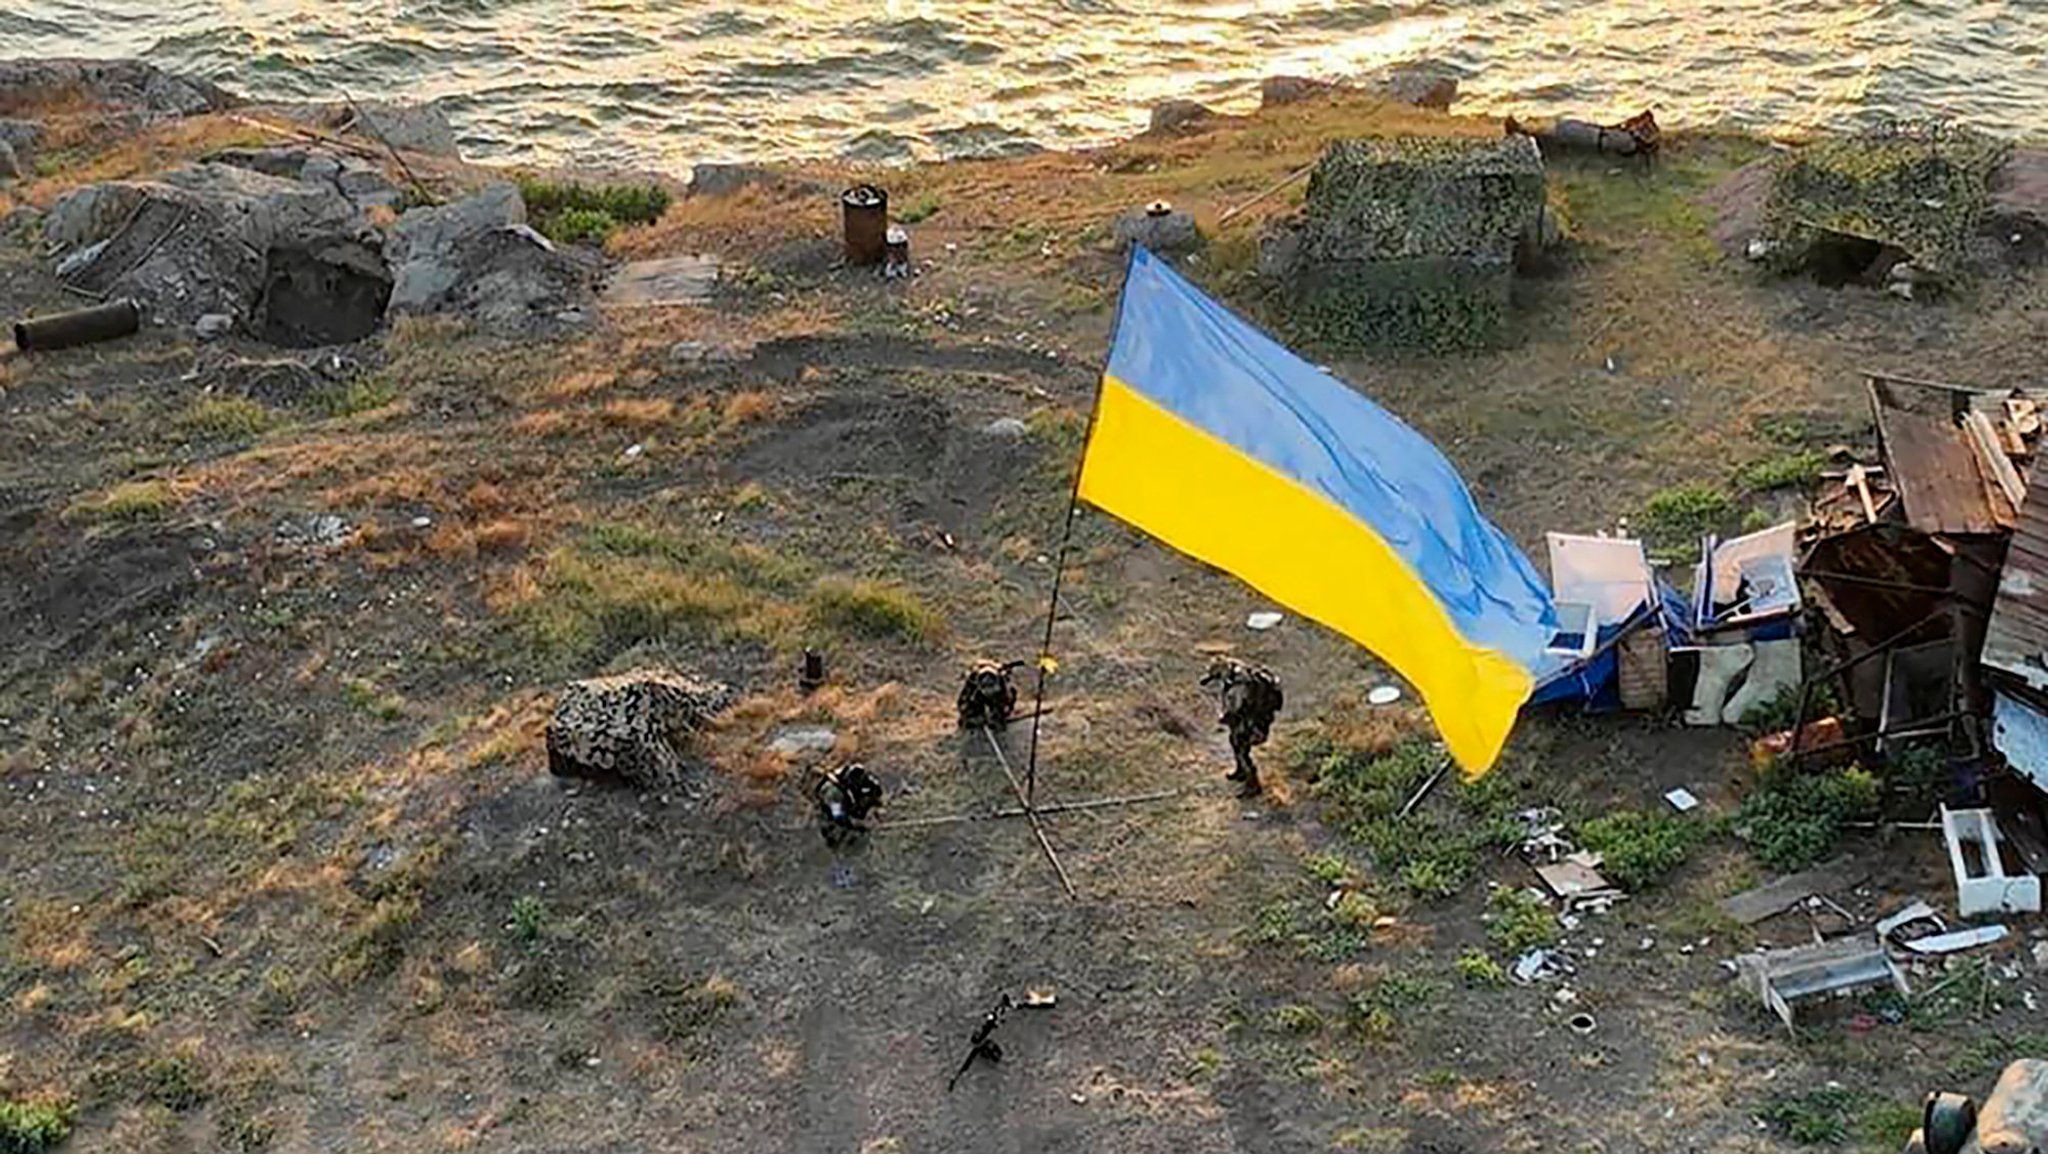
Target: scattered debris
[
  {"x": 1006, "y": 428},
  {"x": 1543, "y": 835},
  {"x": 213, "y": 326},
  {"x": 1752, "y": 906},
  {"x": 1782, "y": 977},
  {"x": 1577, "y": 881},
  {"x": 1581, "y": 1024},
  {"x": 1950, "y": 943},
  {"x": 1263, "y": 621},
  {"x": 1917, "y": 911},
  {"x": 1972, "y": 836},
  {"x": 1383, "y": 695},
  {"x": 1681, "y": 799},
  {"x": 1039, "y": 997},
  {"x": 1540, "y": 965}
]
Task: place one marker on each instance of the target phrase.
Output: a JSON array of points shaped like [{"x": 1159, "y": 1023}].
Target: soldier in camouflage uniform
[
  {"x": 988, "y": 697},
  {"x": 1250, "y": 698},
  {"x": 844, "y": 797}
]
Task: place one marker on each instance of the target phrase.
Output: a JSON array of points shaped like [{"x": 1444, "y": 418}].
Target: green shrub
[
  {"x": 570, "y": 213},
  {"x": 1478, "y": 968},
  {"x": 1638, "y": 848},
  {"x": 1518, "y": 921},
  {"x": 173, "y": 1082},
  {"x": 224, "y": 419},
  {"x": 128, "y": 503},
  {"x": 1296, "y": 1019},
  {"x": 1676, "y": 518},
  {"x": 1328, "y": 868},
  {"x": 529, "y": 921},
  {"x": 1377, "y": 1010},
  {"x": 1431, "y": 852},
  {"x": 1790, "y": 471},
  {"x": 1777, "y": 713},
  {"x": 1795, "y": 819},
  {"x": 33, "y": 1127}
]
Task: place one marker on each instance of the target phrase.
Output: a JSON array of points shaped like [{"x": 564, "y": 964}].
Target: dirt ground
[{"x": 282, "y": 868}]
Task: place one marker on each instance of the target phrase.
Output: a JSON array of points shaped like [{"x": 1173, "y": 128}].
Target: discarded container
[
  {"x": 865, "y": 211},
  {"x": 106, "y": 322},
  {"x": 1947, "y": 1121},
  {"x": 896, "y": 253}
]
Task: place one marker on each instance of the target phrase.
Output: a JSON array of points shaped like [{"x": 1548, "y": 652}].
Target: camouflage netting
[
  {"x": 1922, "y": 188},
  {"x": 1410, "y": 241}
]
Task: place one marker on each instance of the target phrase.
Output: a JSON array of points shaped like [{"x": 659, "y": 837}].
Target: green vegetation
[
  {"x": 529, "y": 921},
  {"x": 1431, "y": 852},
  {"x": 1777, "y": 713},
  {"x": 1834, "y": 1115},
  {"x": 361, "y": 395},
  {"x": 874, "y": 609},
  {"x": 1638, "y": 848},
  {"x": 363, "y": 694},
  {"x": 174, "y": 1083},
  {"x": 1477, "y": 968},
  {"x": 32, "y": 1127},
  {"x": 1789, "y": 471},
  {"x": 1295, "y": 1019},
  {"x": 1328, "y": 868},
  {"x": 1378, "y": 1010},
  {"x": 225, "y": 419},
  {"x": 1518, "y": 921},
  {"x": 571, "y": 213},
  {"x": 1676, "y": 518},
  {"x": 920, "y": 210},
  {"x": 1795, "y": 819},
  {"x": 128, "y": 503}
]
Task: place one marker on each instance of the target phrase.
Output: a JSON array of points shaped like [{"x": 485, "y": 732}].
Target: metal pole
[
  {"x": 1059, "y": 572},
  {"x": 1031, "y": 812}
]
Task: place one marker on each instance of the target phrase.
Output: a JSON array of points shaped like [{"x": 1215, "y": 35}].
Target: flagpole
[{"x": 1059, "y": 571}]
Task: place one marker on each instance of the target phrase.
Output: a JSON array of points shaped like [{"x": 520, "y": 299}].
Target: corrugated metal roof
[
  {"x": 1928, "y": 459},
  {"x": 2016, "y": 639}
]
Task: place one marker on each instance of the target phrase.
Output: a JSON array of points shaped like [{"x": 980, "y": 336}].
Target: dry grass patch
[
  {"x": 580, "y": 383},
  {"x": 746, "y": 408},
  {"x": 639, "y": 414}
]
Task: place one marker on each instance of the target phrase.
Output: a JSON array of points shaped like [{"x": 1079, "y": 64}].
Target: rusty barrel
[
  {"x": 105, "y": 322},
  {"x": 866, "y": 212}
]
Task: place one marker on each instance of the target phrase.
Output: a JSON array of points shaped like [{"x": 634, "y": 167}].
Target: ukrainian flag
[{"x": 1215, "y": 439}]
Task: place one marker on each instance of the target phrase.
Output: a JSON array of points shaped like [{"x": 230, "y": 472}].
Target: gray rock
[
  {"x": 427, "y": 244},
  {"x": 633, "y": 727},
  {"x": 213, "y": 238},
  {"x": 792, "y": 740},
  {"x": 1179, "y": 115},
  {"x": 359, "y": 182},
  {"x": 410, "y": 127},
  {"x": 476, "y": 258},
  {"x": 121, "y": 83},
  {"x": 1007, "y": 428},
  {"x": 213, "y": 326},
  {"x": 1279, "y": 250},
  {"x": 1169, "y": 232},
  {"x": 10, "y": 165},
  {"x": 23, "y": 135},
  {"x": 1423, "y": 83},
  {"x": 1278, "y": 90}
]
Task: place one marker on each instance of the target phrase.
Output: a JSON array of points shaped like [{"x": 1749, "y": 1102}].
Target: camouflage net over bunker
[
  {"x": 1410, "y": 241},
  {"x": 1923, "y": 188}
]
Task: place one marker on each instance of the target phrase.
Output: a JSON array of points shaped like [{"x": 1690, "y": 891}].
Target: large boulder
[
  {"x": 476, "y": 258},
  {"x": 295, "y": 261},
  {"x": 123, "y": 83},
  {"x": 1179, "y": 116},
  {"x": 361, "y": 183},
  {"x": 1275, "y": 91},
  {"x": 1422, "y": 83},
  {"x": 10, "y": 164},
  {"x": 410, "y": 127},
  {"x": 1156, "y": 227},
  {"x": 633, "y": 727}
]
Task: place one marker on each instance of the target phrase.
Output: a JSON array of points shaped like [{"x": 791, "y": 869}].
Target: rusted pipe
[{"x": 106, "y": 322}]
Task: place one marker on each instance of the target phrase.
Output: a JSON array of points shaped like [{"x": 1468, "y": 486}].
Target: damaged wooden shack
[{"x": 1930, "y": 570}]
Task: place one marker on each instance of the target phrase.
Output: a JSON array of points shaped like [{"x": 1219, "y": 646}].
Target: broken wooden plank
[
  {"x": 1984, "y": 441},
  {"x": 1752, "y": 906}
]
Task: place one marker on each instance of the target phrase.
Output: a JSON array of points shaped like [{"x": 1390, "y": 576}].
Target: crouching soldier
[
  {"x": 988, "y": 697},
  {"x": 1249, "y": 697},
  {"x": 844, "y": 797}
]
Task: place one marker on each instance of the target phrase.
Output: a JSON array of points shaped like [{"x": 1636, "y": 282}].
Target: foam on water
[{"x": 640, "y": 83}]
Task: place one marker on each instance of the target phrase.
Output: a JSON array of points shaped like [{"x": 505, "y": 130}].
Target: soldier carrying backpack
[{"x": 1249, "y": 697}]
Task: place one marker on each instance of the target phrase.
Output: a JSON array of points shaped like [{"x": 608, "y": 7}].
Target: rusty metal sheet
[
  {"x": 1881, "y": 578},
  {"x": 1928, "y": 459},
  {"x": 2016, "y": 638}
]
